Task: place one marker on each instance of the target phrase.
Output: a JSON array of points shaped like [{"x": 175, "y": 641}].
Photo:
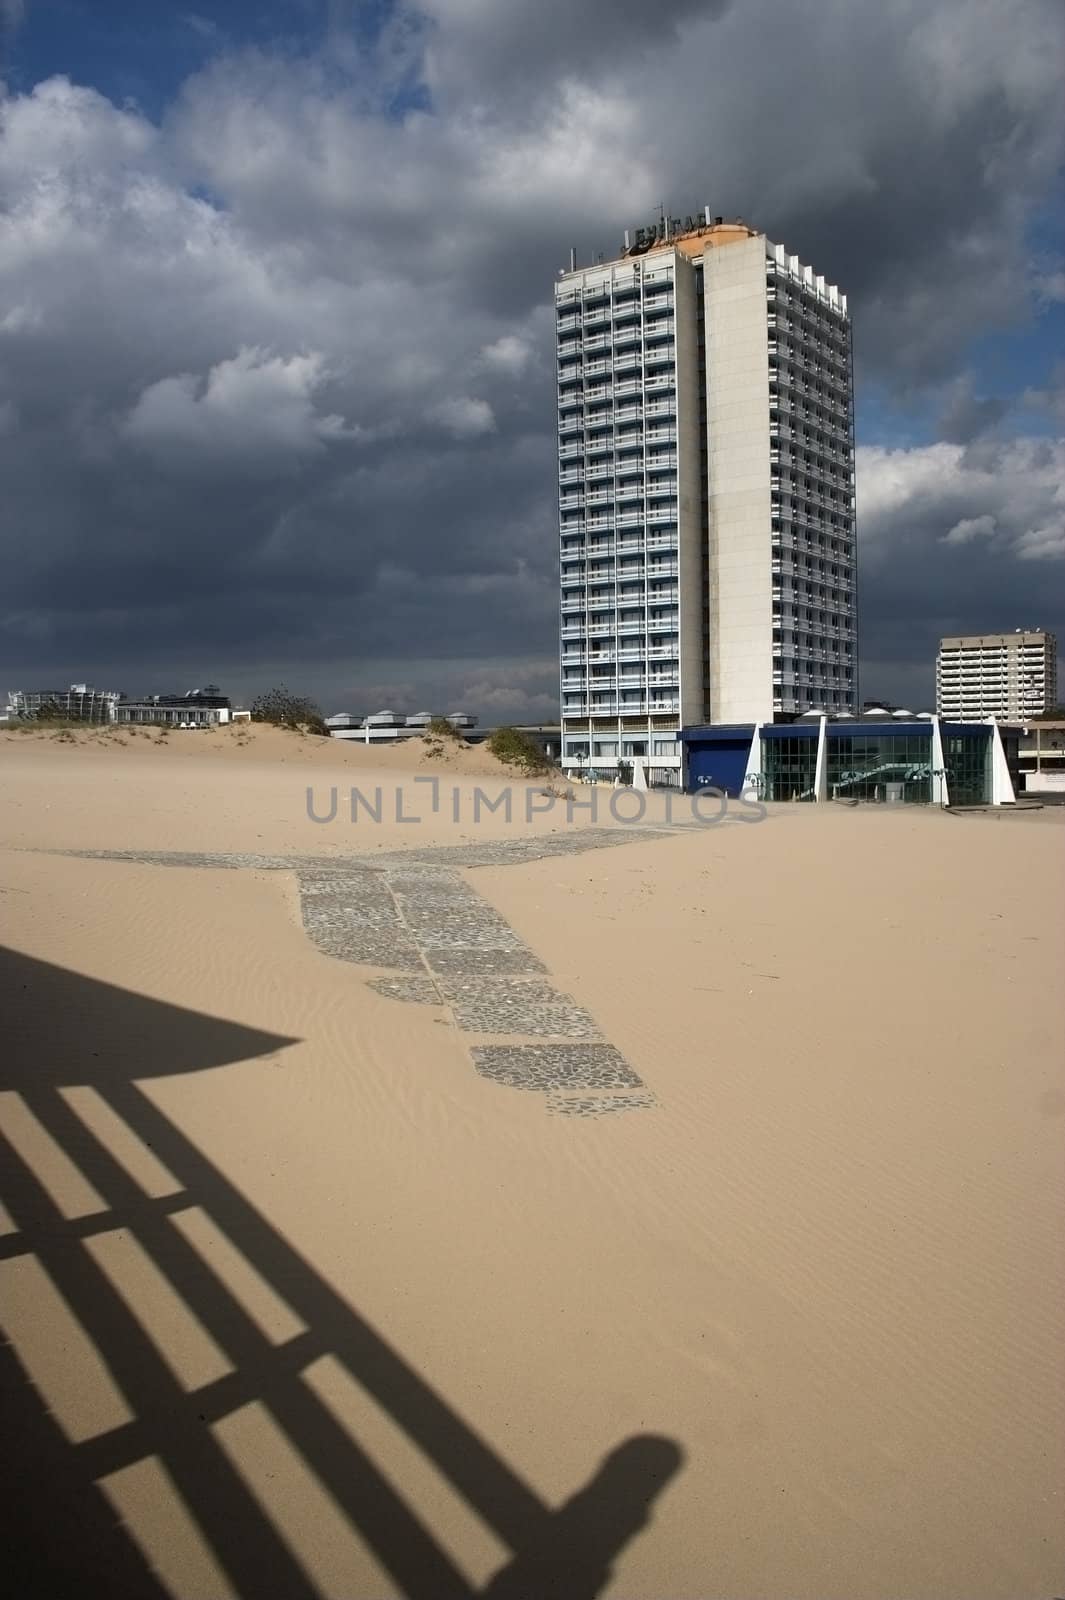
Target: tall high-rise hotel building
[{"x": 706, "y": 492}]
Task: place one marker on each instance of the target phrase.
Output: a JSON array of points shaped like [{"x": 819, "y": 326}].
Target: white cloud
[
  {"x": 253, "y": 401},
  {"x": 1050, "y": 287},
  {"x": 509, "y": 355},
  {"x": 463, "y": 417},
  {"x": 970, "y": 528},
  {"x": 1008, "y": 495}
]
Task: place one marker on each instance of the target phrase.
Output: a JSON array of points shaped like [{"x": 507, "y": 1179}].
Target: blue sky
[{"x": 274, "y": 305}]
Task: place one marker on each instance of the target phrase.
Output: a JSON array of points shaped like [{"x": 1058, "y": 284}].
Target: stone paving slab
[
  {"x": 460, "y": 987},
  {"x": 339, "y": 911},
  {"x": 368, "y": 947},
  {"x": 415, "y": 990},
  {"x": 488, "y": 1015},
  {"x": 555, "y": 1066},
  {"x": 599, "y": 1105},
  {"x": 491, "y": 962}
]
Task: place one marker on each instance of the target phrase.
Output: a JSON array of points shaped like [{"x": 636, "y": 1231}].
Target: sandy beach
[{"x": 469, "y": 1204}]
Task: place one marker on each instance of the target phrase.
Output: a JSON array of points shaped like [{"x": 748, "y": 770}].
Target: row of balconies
[
  {"x": 574, "y": 417},
  {"x": 822, "y": 598},
  {"x": 808, "y": 436},
  {"x": 789, "y": 510},
  {"x": 652, "y": 360},
  {"x": 815, "y": 317},
  {"x": 828, "y": 457},
  {"x": 602, "y": 651},
  {"x": 817, "y": 542},
  {"x": 628, "y": 607},
  {"x": 834, "y": 413},
  {"x": 575, "y": 523},
  {"x": 625, "y": 466},
  {"x": 615, "y": 708},
  {"x": 600, "y": 313},
  {"x": 605, "y": 618},
  {"x": 808, "y": 354},
  {"x": 627, "y": 573},
  {"x": 799, "y": 487},
  {"x": 624, "y": 490},
  {"x": 792, "y": 383},
  {"x": 630, "y": 332},
  {"x": 800, "y": 317},
  {"x": 793, "y": 425},
  {"x": 607, "y": 634},
  {"x": 617, "y": 542}
]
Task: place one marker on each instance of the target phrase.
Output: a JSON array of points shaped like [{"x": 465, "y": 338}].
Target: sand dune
[{"x": 304, "y": 1297}]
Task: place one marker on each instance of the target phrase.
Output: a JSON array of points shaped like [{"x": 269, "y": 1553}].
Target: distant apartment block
[
  {"x": 706, "y": 491},
  {"x": 198, "y": 708},
  {"x": 78, "y": 703},
  {"x": 1008, "y": 676}
]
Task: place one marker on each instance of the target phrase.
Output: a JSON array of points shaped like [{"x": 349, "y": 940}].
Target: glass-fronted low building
[{"x": 919, "y": 760}]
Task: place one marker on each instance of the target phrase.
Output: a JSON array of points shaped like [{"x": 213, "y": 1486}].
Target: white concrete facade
[
  {"x": 705, "y": 494},
  {"x": 740, "y": 566},
  {"x": 1009, "y": 676}
]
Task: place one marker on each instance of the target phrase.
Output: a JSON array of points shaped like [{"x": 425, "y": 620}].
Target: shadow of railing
[{"x": 65, "y": 1031}]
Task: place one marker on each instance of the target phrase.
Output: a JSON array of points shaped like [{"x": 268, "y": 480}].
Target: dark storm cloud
[{"x": 276, "y": 386}]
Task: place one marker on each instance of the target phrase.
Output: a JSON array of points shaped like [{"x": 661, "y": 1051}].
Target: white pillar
[
  {"x": 821, "y": 769},
  {"x": 752, "y": 777},
  {"x": 940, "y": 792},
  {"x": 1001, "y": 784}
]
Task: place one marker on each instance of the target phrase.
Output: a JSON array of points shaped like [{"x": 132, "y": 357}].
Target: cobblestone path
[{"x": 415, "y": 915}]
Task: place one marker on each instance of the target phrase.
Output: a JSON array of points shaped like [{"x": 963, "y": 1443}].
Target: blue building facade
[{"x": 917, "y": 761}]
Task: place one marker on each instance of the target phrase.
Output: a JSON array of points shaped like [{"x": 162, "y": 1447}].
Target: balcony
[{"x": 657, "y": 356}]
